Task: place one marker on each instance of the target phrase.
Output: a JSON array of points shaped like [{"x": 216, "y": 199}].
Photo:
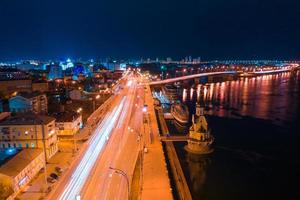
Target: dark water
[{"x": 256, "y": 123}]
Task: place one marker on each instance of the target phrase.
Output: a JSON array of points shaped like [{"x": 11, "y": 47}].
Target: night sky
[{"x": 212, "y": 29}]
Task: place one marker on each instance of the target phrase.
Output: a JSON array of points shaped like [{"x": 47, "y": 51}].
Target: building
[
  {"x": 4, "y": 115},
  {"x": 39, "y": 74},
  {"x": 13, "y": 80},
  {"x": 24, "y": 102},
  {"x": 67, "y": 123},
  {"x": 26, "y": 66},
  {"x": 17, "y": 172},
  {"x": 55, "y": 71},
  {"x": 75, "y": 94},
  {"x": 29, "y": 131},
  {"x": 40, "y": 86},
  {"x": 9, "y": 87},
  {"x": 1, "y": 105},
  {"x": 12, "y": 74}
]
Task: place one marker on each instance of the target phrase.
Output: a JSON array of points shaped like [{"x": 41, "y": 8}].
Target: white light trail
[
  {"x": 96, "y": 144},
  {"x": 129, "y": 83}
]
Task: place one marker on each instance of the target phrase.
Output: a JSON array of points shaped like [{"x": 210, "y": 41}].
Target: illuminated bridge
[
  {"x": 252, "y": 72},
  {"x": 182, "y": 78}
]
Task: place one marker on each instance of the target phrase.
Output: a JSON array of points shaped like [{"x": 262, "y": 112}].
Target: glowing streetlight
[
  {"x": 145, "y": 108},
  {"x": 79, "y": 110},
  {"x": 121, "y": 172}
]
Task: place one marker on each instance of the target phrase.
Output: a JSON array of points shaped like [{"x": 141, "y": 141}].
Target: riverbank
[
  {"x": 155, "y": 180},
  {"x": 178, "y": 178}
]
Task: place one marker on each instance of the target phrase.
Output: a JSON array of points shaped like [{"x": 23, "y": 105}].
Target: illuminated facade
[
  {"x": 68, "y": 123},
  {"x": 20, "y": 169},
  {"x": 8, "y": 87},
  {"x": 29, "y": 131},
  {"x": 41, "y": 86},
  {"x": 55, "y": 71},
  {"x": 1, "y": 106},
  {"x": 24, "y": 102}
]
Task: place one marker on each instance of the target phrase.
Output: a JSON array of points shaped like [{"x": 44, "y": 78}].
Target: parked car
[
  {"x": 53, "y": 175},
  {"x": 51, "y": 180}
]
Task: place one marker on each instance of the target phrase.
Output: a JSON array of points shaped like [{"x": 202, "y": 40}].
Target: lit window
[{"x": 51, "y": 132}]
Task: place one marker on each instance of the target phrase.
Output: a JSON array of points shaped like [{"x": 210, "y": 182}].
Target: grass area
[{"x": 135, "y": 183}]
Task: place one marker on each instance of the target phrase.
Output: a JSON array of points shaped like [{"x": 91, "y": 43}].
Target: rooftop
[
  {"x": 27, "y": 119},
  {"x": 17, "y": 163},
  {"x": 4, "y": 115},
  {"x": 29, "y": 95},
  {"x": 66, "y": 116}
]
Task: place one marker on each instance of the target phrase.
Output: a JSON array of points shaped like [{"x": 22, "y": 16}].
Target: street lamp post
[{"x": 121, "y": 172}]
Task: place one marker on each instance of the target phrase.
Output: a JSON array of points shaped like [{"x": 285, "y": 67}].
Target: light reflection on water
[
  {"x": 247, "y": 165},
  {"x": 264, "y": 97}
]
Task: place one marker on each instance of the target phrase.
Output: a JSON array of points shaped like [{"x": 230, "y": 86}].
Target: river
[{"x": 256, "y": 125}]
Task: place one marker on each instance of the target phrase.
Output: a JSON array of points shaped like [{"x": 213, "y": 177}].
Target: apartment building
[
  {"x": 29, "y": 131},
  {"x": 29, "y": 102}
]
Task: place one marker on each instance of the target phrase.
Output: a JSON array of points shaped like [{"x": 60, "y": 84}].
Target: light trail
[
  {"x": 129, "y": 83},
  {"x": 96, "y": 144}
]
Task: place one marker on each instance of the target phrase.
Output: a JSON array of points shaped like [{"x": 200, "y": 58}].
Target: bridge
[
  {"x": 253, "y": 72},
  {"x": 182, "y": 78}
]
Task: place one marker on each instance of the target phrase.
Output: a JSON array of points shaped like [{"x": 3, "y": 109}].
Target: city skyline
[
  {"x": 149, "y": 99},
  {"x": 213, "y": 30}
]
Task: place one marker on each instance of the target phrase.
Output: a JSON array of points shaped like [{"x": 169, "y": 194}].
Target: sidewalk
[
  {"x": 37, "y": 188},
  {"x": 156, "y": 183}
]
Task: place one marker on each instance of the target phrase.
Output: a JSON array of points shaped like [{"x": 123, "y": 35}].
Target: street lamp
[
  {"x": 121, "y": 172},
  {"x": 79, "y": 110}
]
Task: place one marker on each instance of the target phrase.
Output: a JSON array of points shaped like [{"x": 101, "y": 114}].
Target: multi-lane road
[{"x": 115, "y": 143}]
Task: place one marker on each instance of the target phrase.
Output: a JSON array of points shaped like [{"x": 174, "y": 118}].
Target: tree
[{"x": 5, "y": 191}]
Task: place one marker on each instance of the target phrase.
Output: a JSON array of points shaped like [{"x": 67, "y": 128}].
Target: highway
[
  {"x": 121, "y": 152},
  {"x": 114, "y": 143}
]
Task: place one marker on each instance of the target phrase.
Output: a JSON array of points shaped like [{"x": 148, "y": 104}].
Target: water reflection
[
  {"x": 272, "y": 97},
  {"x": 197, "y": 166},
  {"x": 184, "y": 95},
  {"x": 263, "y": 96}
]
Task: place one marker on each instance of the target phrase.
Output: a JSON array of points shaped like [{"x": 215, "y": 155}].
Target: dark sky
[{"x": 212, "y": 29}]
